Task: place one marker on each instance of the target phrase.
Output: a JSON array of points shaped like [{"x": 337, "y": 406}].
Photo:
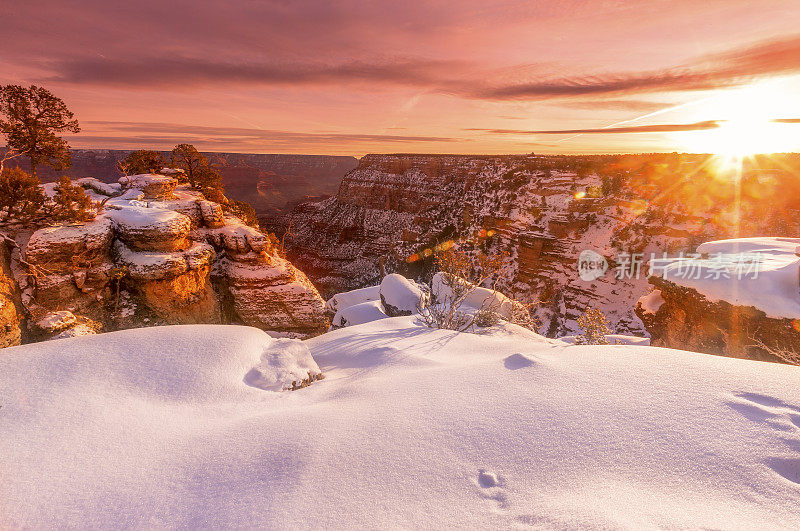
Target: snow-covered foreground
[{"x": 411, "y": 428}]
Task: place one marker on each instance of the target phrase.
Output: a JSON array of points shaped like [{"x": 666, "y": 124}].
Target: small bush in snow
[
  {"x": 486, "y": 317},
  {"x": 305, "y": 382},
  {"x": 20, "y": 195},
  {"x": 72, "y": 203},
  {"x": 461, "y": 274},
  {"x": 595, "y": 328}
]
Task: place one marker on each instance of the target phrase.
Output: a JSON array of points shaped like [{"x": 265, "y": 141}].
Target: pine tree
[
  {"x": 595, "y": 328},
  {"x": 142, "y": 161},
  {"x": 33, "y": 116}
]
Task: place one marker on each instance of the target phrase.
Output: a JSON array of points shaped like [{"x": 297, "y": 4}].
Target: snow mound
[
  {"x": 283, "y": 363},
  {"x": 351, "y": 298},
  {"x": 400, "y": 296},
  {"x": 759, "y": 272},
  {"x": 358, "y": 314},
  {"x": 412, "y": 428},
  {"x": 478, "y": 298}
]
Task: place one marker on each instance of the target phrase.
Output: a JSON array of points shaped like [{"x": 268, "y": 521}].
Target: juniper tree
[
  {"x": 72, "y": 203},
  {"x": 31, "y": 118},
  {"x": 141, "y": 161}
]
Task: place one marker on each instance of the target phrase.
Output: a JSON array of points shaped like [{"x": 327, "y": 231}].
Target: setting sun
[{"x": 747, "y": 122}]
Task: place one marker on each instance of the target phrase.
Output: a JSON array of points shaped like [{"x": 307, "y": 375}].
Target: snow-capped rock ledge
[{"x": 735, "y": 298}]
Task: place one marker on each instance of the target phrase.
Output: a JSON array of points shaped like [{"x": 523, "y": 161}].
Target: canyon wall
[
  {"x": 271, "y": 183},
  {"x": 391, "y": 211}
]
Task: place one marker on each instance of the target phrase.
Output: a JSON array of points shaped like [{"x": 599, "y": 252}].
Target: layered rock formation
[
  {"x": 158, "y": 253},
  {"x": 391, "y": 212}
]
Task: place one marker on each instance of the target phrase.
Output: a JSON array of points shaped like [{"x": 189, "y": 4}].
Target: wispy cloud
[
  {"x": 152, "y": 133},
  {"x": 733, "y": 67},
  {"x": 656, "y": 128}
]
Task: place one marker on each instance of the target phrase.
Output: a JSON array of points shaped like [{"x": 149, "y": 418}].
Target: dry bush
[
  {"x": 463, "y": 273},
  {"x": 595, "y": 327},
  {"x": 305, "y": 382},
  {"x": 787, "y": 355}
]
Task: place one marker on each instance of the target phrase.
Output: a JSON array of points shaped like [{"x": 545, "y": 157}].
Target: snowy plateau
[{"x": 191, "y": 426}]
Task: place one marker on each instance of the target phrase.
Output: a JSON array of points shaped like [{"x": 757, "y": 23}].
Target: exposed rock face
[
  {"x": 687, "y": 320},
  {"x": 392, "y": 208},
  {"x": 167, "y": 256},
  {"x": 10, "y": 330}
]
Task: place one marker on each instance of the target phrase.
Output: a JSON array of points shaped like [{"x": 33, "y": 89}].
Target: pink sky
[{"x": 384, "y": 76}]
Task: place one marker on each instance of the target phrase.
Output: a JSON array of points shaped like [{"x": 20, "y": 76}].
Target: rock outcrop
[
  {"x": 159, "y": 253},
  {"x": 761, "y": 318}
]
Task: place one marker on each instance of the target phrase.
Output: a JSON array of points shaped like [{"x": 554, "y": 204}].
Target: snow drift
[{"x": 412, "y": 427}]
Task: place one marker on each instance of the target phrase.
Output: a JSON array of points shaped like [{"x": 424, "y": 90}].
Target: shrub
[
  {"x": 595, "y": 327},
  {"x": 462, "y": 274},
  {"x": 244, "y": 211},
  {"x": 72, "y": 203},
  {"x": 20, "y": 194}
]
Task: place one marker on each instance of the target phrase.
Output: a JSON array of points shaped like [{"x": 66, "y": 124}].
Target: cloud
[
  {"x": 734, "y": 67},
  {"x": 787, "y": 120},
  {"x": 150, "y": 133},
  {"x": 656, "y": 128},
  {"x": 615, "y": 105},
  {"x": 159, "y": 72}
]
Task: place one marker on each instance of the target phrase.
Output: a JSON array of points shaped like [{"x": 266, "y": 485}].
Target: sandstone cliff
[
  {"x": 158, "y": 253},
  {"x": 543, "y": 211}
]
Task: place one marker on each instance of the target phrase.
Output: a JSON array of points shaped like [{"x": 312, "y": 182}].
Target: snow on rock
[
  {"x": 283, "y": 363},
  {"x": 412, "y": 428},
  {"x": 57, "y": 321},
  {"x": 148, "y": 259},
  {"x": 99, "y": 186},
  {"x": 212, "y": 213},
  {"x": 738, "y": 298},
  {"x": 80, "y": 329},
  {"x": 154, "y": 265},
  {"x": 760, "y": 272},
  {"x": 60, "y": 243},
  {"x": 357, "y": 314},
  {"x": 351, "y": 298},
  {"x": 151, "y": 229},
  {"x": 400, "y": 296},
  {"x": 651, "y": 302}
]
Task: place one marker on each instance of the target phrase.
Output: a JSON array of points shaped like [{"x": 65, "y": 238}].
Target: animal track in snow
[{"x": 491, "y": 487}]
